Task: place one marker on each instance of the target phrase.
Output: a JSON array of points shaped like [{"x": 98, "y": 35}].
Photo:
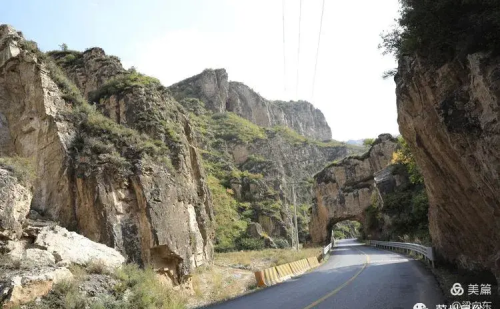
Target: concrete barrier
[
  {"x": 284, "y": 271},
  {"x": 304, "y": 265},
  {"x": 280, "y": 273},
  {"x": 267, "y": 277},
  {"x": 313, "y": 261}
]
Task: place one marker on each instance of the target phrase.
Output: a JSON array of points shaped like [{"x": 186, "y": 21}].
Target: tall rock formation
[
  {"x": 260, "y": 149},
  {"x": 343, "y": 190},
  {"x": 125, "y": 181},
  {"x": 128, "y": 169},
  {"x": 213, "y": 88},
  {"x": 449, "y": 117}
]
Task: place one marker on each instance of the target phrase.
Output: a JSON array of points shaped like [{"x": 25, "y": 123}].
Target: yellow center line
[{"x": 322, "y": 299}]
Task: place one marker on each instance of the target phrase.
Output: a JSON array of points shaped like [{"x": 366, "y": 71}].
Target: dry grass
[
  {"x": 257, "y": 260},
  {"x": 214, "y": 283},
  {"x": 233, "y": 273}
]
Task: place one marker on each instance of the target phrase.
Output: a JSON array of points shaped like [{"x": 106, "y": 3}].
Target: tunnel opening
[{"x": 344, "y": 228}]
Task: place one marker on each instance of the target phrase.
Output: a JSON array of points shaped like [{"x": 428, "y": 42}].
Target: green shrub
[
  {"x": 232, "y": 127},
  {"x": 146, "y": 291},
  {"x": 229, "y": 226},
  {"x": 290, "y": 135},
  {"x": 281, "y": 243},
  {"x": 123, "y": 83},
  {"x": 443, "y": 29},
  {"x": 368, "y": 142},
  {"x": 96, "y": 267},
  {"x": 251, "y": 244}
]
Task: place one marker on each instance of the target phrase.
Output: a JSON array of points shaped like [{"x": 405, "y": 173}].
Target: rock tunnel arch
[{"x": 344, "y": 190}]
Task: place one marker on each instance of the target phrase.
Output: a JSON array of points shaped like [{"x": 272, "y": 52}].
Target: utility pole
[
  {"x": 295, "y": 218},
  {"x": 288, "y": 212}
]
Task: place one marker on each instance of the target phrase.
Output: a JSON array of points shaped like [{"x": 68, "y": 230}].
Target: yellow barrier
[
  {"x": 304, "y": 265},
  {"x": 284, "y": 271},
  {"x": 267, "y": 277},
  {"x": 313, "y": 261},
  {"x": 278, "y": 274}
]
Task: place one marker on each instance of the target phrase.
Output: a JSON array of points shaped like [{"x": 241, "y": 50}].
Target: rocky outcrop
[
  {"x": 89, "y": 70},
  {"x": 210, "y": 86},
  {"x": 15, "y": 200},
  {"x": 219, "y": 95},
  {"x": 449, "y": 118},
  {"x": 28, "y": 286},
  {"x": 300, "y": 116},
  {"x": 31, "y": 125},
  {"x": 344, "y": 190},
  {"x": 70, "y": 247},
  {"x": 128, "y": 182},
  {"x": 31, "y": 264}
]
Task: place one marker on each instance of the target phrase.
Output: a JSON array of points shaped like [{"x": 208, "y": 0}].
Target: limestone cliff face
[
  {"x": 154, "y": 205},
  {"x": 91, "y": 69},
  {"x": 210, "y": 86},
  {"x": 219, "y": 95},
  {"x": 31, "y": 125},
  {"x": 300, "y": 116},
  {"x": 283, "y": 164},
  {"x": 449, "y": 117},
  {"x": 280, "y": 141},
  {"x": 344, "y": 190}
]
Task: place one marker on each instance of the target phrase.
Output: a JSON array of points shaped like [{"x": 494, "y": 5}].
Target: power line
[
  {"x": 298, "y": 53},
  {"x": 317, "y": 49},
  {"x": 284, "y": 57}
]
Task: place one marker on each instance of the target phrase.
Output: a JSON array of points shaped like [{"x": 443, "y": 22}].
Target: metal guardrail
[
  {"x": 327, "y": 249},
  {"x": 426, "y": 252}
]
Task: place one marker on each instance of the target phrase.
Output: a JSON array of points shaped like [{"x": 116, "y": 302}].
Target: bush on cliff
[
  {"x": 232, "y": 127},
  {"x": 229, "y": 225},
  {"x": 443, "y": 29},
  {"x": 124, "y": 82}
]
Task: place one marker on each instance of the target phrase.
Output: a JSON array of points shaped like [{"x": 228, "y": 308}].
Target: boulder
[
  {"x": 29, "y": 285},
  {"x": 74, "y": 248}
]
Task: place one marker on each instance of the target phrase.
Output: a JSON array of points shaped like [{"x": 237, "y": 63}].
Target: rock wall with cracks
[
  {"x": 219, "y": 95},
  {"x": 159, "y": 214},
  {"x": 343, "y": 190},
  {"x": 449, "y": 117}
]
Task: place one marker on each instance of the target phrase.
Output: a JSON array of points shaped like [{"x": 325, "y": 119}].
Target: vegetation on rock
[
  {"x": 443, "y": 29},
  {"x": 22, "y": 168},
  {"x": 128, "y": 287},
  {"x": 123, "y": 83}
]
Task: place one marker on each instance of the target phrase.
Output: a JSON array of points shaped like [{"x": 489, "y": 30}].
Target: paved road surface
[{"x": 355, "y": 277}]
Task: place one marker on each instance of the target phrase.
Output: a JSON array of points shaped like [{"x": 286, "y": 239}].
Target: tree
[
  {"x": 64, "y": 47},
  {"x": 443, "y": 29},
  {"x": 405, "y": 157}
]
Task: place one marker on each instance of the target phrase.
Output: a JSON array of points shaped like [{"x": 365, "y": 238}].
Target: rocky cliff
[
  {"x": 258, "y": 150},
  {"x": 125, "y": 181},
  {"x": 128, "y": 169},
  {"x": 449, "y": 117},
  {"x": 345, "y": 189},
  {"x": 213, "y": 88}
]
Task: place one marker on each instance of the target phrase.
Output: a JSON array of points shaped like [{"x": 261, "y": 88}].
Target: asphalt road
[{"x": 355, "y": 277}]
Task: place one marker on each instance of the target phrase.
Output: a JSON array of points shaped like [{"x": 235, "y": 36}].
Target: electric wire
[
  {"x": 317, "y": 49},
  {"x": 298, "y": 53},
  {"x": 284, "y": 52}
]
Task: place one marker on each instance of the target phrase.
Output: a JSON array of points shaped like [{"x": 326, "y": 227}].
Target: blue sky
[{"x": 173, "y": 40}]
